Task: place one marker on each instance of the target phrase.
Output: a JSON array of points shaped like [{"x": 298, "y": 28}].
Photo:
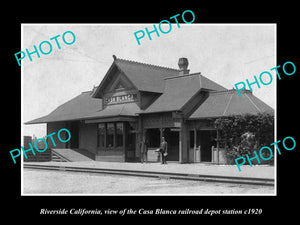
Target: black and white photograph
[
  {"x": 131, "y": 112},
  {"x": 129, "y": 109}
]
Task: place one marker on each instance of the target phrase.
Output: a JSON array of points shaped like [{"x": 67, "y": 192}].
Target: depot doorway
[
  {"x": 201, "y": 143},
  {"x": 172, "y": 138},
  {"x": 205, "y": 143}
]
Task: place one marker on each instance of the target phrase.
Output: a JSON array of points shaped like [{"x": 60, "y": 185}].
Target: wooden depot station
[{"x": 137, "y": 99}]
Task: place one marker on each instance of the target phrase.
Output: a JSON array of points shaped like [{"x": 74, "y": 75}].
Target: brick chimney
[{"x": 183, "y": 65}]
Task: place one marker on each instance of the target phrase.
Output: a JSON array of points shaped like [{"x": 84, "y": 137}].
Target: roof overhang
[{"x": 112, "y": 119}]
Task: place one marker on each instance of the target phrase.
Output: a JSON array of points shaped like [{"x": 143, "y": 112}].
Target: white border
[{"x": 116, "y": 24}]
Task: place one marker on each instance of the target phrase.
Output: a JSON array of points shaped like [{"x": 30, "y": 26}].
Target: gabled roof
[
  {"x": 145, "y": 77},
  {"x": 227, "y": 103},
  {"x": 174, "y": 94},
  {"x": 85, "y": 107},
  {"x": 179, "y": 90}
]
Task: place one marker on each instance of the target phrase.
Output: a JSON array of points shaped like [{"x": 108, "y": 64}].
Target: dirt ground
[{"x": 59, "y": 182}]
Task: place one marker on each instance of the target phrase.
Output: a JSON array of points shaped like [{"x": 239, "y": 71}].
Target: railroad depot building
[{"x": 136, "y": 99}]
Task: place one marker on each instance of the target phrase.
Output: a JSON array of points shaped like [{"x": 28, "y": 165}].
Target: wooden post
[
  {"x": 218, "y": 160},
  {"x": 187, "y": 142},
  {"x": 200, "y": 160},
  {"x": 139, "y": 137},
  {"x": 125, "y": 132},
  {"x": 161, "y": 135},
  {"x": 180, "y": 146},
  {"x": 115, "y": 137},
  {"x": 105, "y": 135},
  {"x": 183, "y": 143},
  {"x": 199, "y": 153},
  {"x": 195, "y": 144}
]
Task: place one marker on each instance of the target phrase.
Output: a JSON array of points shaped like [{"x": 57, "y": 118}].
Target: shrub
[{"x": 244, "y": 134}]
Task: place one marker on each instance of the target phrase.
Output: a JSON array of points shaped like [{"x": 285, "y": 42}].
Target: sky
[{"x": 224, "y": 53}]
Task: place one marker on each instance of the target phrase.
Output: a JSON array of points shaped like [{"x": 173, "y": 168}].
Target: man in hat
[{"x": 163, "y": 150}]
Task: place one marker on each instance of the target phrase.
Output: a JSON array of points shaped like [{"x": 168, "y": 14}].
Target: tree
[{"x": 242, "y": 134}]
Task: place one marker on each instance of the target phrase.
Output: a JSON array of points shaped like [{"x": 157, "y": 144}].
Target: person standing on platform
[
  {"x": 144, "y": 150},
  {"x": 163, "y": 150}
]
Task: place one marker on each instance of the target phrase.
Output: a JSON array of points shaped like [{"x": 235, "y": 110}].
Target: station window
[
  {"x": 101, "y": 134},
  {"x": 110, "y": 133},
  {"x": 119, "y": 134}
]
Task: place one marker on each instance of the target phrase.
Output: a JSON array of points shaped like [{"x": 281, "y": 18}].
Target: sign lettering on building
[{"x": 121, "y": 98}]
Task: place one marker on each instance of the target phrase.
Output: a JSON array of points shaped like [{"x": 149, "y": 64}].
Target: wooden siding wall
[
  {"x": 55, "y": 127},
  {"x": 88, "y": 137},
  {"x": 201, "y": 124},
  {"x": 158, "y": 120},
  {"x": 111, "y": 155}
]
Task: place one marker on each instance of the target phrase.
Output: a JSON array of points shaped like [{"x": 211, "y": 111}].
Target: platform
[{"x": 193, "y": 169}]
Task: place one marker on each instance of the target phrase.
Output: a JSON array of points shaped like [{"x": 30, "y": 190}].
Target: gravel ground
[{"x": 59, "y": 182}]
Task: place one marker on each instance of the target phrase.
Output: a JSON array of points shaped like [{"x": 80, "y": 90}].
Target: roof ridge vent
[{"x": 146, "y": 64}]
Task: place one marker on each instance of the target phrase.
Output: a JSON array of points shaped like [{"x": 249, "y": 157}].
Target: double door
[{"x": 201, "y": 142}]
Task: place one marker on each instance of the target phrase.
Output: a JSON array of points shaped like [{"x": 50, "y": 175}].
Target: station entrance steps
[{"x": 71, "y": 155}]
